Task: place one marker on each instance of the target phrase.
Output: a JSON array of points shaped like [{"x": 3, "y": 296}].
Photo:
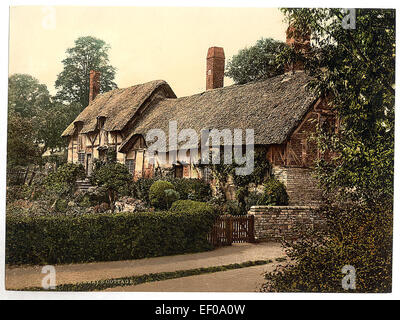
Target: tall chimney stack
[
  {"x": 215, "y": 68},
  {"x": 300, "y": 42},
  {"x": 94, "y": 85}
]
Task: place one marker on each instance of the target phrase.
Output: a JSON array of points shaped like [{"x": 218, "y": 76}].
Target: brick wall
[
  {"x": 273, "y": 223},
  {"x": 301, "y": 186}
]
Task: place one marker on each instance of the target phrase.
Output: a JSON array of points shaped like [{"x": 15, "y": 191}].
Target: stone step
[{"x": 83, "y": 185}]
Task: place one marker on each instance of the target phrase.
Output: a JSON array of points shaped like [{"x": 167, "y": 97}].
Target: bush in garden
[
  {"x": 108, "y": 236},
  {"x": 62, "y": 181},
  {"x": 85, "y": 202},
  {"x": 254, "y": 198},
  {"x": 193, "y": 189},
  {"x": 189, "y": 206},
  {"x": 356, "y": 234},
  {"x": 90, "y": 198},
  {"x": 61, "y": 205},
  {"x": 17, "y": 192},
  {"x": 170, "y": 196},
  {"x": 157, "y": 195},
  {"x": 114, "y": 179},
  {"x": 141, "y": 189},
  {"x": 231, "y": 207},
  {"x": 274, "y": 193}
]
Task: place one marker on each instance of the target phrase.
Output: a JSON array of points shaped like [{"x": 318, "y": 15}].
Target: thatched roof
[
  {"x": 117, "y": 106},
  {"x": 273, "y": 108}
]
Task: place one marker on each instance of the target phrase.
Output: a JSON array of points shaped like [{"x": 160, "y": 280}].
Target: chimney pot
[
  {"x": 215, "y": 68},
  {"x": 94, "y": 85}
]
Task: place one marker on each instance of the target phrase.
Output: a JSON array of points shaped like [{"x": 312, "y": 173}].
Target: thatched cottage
[{"x": 281, "y": 111}]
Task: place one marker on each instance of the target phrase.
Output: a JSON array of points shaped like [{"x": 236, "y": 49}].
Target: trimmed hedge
[
  {"x": 106, "y": 237},
  {"x": 191, "y": 206}
]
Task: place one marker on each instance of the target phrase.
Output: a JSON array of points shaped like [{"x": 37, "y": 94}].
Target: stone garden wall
[{"x": 273, "y": 223}]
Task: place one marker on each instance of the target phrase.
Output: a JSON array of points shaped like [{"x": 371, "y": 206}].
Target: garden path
[{"x": 31, "y": 276}]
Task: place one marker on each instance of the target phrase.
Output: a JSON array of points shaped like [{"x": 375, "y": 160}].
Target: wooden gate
[{"x": 232, "y": 229}]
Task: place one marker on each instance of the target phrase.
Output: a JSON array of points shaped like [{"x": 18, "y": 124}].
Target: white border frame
[{"x": 4, "y": 12}]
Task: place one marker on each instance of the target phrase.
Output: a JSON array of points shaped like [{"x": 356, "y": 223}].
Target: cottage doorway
[
  {"x": 89, "y": 164},
  {"x": 178, "y": 171}
]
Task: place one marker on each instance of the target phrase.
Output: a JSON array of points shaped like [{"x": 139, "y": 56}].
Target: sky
[{"x": 147, "y": 43}]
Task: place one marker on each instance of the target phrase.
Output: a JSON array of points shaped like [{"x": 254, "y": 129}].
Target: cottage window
[
  {"x": 81, "y": 158},
  {"x": 130, "y": 164}
]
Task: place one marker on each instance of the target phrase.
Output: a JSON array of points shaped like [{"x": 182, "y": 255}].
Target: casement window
[
  {"x": 81, "y": 158},
  {"x": 130, "y": 164}
]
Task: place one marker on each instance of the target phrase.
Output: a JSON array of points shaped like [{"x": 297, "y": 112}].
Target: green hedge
[
  {"x": 190, "y": 206},
  {"x": 105, "y": 237}
]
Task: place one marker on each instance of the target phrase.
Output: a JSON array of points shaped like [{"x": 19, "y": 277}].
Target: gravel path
[
  {"x": 239, "y": 280},
  {"x": 31, "y": 276}
]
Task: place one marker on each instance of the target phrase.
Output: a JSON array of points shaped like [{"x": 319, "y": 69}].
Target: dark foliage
[{"x": 106, "y": 237}]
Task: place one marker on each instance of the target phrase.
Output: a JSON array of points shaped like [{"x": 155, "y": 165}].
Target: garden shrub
[
  {"x": 254, "y": 198},
  {"x": 85, "y": 201},
  {"x": 356, "y": 234},
  {"x": 17, "y": 192},
  {"x": 192, "y": 189},
  {"x": 106, "y": 237},
  {"x": 157, "y": 195},
  {"x": 114, "y": 179},
  {"x": 274, "y": 193},
  {"x": 62, "y": 181},
  {"x": 190, "y": 206},
  {"x": 170, "y": 196},
  {"x": 142, "y": 188},
  {"x": 231, "y": 207},
  {"x": 61, "y": 205}
]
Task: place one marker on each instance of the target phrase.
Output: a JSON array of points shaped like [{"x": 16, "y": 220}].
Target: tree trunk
[{"x": 111, "y": 199}]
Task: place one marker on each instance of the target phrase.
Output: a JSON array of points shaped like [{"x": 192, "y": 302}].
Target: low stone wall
[{"x": 273, "y": 223}]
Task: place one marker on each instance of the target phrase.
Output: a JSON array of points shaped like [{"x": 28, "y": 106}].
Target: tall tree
[
  {"x": 257, "y": 62},
  {"x": 30, "y": 103},
  {"x": 51, "y": 122},
  {"x": 22, "y": 148},
  {"x": 72, "y": 83},
  {"x": 26, "y": 96},
  {"x": 355, "y": 70}
]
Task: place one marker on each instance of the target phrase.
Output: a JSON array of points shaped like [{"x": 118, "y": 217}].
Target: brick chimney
[
  {"x": 215, "y": 68},
  {"x": 94, "y": 85},
  {"x": 300, "y": 42}
]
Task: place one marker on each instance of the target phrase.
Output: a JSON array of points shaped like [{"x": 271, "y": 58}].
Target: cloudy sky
[{"x": 146, "y": 43}]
